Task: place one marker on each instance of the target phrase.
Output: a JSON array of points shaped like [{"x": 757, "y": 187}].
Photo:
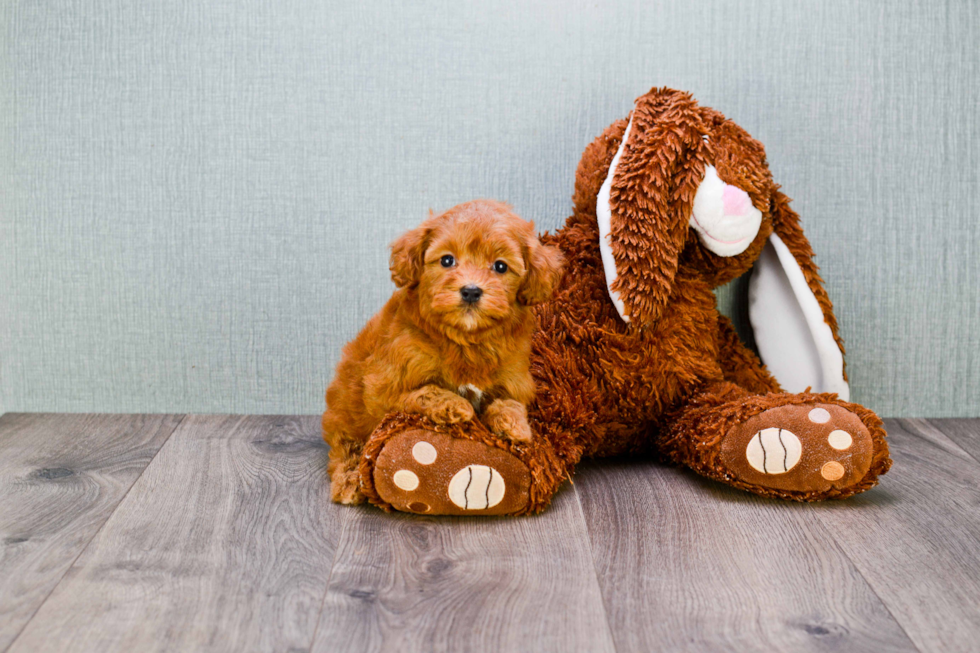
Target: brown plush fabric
[
  {"x": 739, "y": 364},
  {"x": 794, "y": 453},
  {"x": 428, "y": 472},
  {"x": 675, "y": 379},
  {"x": 696, "y": 434},
  {"x": 546, "y": 472}
]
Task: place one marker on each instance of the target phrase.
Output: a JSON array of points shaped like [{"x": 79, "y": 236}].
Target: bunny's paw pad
[
  {"x": 799, "y": 448},
  {"x": 432, "y": 473}
]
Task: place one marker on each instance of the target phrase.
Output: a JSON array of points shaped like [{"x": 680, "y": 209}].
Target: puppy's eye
[
  {"x": 500, "y": 267},
  {"x": 448, "y": 261}
]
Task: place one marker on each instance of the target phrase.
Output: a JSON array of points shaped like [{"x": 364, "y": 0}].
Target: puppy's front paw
[
  {"x": 450, "y": 410},
  {"x": 508, "y": 418},
  {"x": 439, "y": 405},
  {"x": 345, "y": 486}
]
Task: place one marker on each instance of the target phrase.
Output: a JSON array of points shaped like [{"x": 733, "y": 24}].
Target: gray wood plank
[
  {"x": 410, "y": 583},
  {"x": 916, "y": 538},
  {"x": 688, "y": 564},
  {"x": 964, "y": 432},
  {"x": 61, "y": 476},
  {"x": 224, "y": 544}
]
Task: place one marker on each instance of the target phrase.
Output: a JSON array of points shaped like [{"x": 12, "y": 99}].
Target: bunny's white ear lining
[
  {"x": 794, "y": 340},
  {"x": 603, "y": 214}
]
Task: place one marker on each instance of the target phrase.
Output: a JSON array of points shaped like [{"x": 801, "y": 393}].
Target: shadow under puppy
[{"x": 453, "y": 341}]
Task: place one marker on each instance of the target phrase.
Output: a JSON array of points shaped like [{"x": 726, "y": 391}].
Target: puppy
[{"x": 453, "y": 341}]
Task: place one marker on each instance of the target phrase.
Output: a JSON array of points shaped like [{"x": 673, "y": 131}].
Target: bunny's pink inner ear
[{"x": 791, "y": 332}]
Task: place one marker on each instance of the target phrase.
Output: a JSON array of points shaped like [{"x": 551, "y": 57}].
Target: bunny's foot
[
  {"x": 433, "y": 473},
  {"x": 412, "y": 464},
  {"x": 806, "y": 448},
  {"x": 802, "y": 447}
]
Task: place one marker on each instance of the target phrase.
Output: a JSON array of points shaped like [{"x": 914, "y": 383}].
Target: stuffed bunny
[{"x": 631, "y": 355}]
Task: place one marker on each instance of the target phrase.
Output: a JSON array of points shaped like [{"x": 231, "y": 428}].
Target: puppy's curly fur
[{"x": 454, "y": 339}]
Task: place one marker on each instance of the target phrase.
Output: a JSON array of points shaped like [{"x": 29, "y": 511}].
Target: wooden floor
[{"x": 184, "y": 533}]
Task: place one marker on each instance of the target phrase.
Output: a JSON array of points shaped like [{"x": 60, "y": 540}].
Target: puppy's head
[{"x": 475, "y": 266}]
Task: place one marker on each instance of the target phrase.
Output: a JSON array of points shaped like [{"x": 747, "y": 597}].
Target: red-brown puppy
[{"x": 454, "y": 339}]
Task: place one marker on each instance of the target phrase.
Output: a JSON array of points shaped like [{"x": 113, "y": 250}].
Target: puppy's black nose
[{"x": 471, "y": 294}]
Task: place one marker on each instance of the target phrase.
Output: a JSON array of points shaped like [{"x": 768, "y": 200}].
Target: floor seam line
[
  {"x": 867, "y": 582},
  {"x": 595, "y": 572},
  {"x": 969, "y": 453},
  {"x": 830, "y": 533},
  {"x": 333, "y": 567}
]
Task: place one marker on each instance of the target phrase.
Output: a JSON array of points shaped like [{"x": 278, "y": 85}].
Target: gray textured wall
[{"x": 197, "y": 196}]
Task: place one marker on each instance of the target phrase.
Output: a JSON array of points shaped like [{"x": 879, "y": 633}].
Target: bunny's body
[
  {"x": 615, "y": 382},
  {"x": 631, "y": 354}
]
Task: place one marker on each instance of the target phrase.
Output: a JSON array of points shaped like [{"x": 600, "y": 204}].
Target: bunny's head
[{"x": 682, "y": 190}]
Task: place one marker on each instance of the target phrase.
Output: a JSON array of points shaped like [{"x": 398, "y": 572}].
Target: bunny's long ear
[
  {"x": 644, "y": 204},
  {"x": 791, "y": 315}
]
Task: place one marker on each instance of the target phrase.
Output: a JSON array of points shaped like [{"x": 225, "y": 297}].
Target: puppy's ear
[
  {"x": 544, "y": 269},
  {"x": 408, "y": 254}
]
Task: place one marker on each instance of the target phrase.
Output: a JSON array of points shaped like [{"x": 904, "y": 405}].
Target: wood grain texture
[
  {"x": 224, "y": 544},
  {"x": 409, "y": 583},
  {"x": 223, "y": 539},
  {"x": 61, "y": 476},
  {"x": 916, "y": 538},
  {"x": 964, "y": 432},
  {"x": 687, "y": 564}
]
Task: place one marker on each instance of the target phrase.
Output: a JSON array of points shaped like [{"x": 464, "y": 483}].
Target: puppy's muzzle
[{"x": 471, "y": 294}]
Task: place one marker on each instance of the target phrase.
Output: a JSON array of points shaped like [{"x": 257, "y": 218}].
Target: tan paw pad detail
[
  {"x": 406, "y": 480},
  {"x": 476, "y": 487},
  {"x": 424, "y": 453},
  {"x": 819, "y": 416},
  {"x": 832, "y": 471},
  {"x": 773, "y": 451},
  {"x": 840, "y": 440}
]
